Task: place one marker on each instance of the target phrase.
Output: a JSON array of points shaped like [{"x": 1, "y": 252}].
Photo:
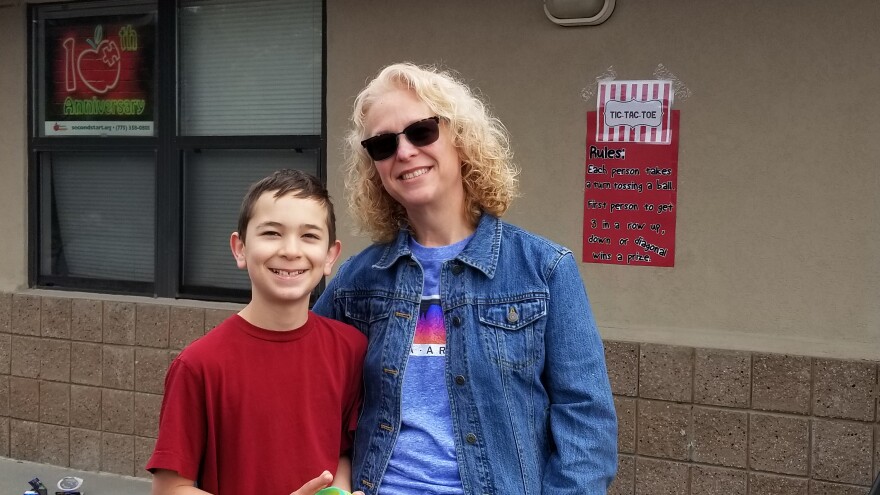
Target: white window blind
[
  {"x": 104, "y": 215},
  {"x": 250, "y": 67},
  {"x": 215, "y": 183}
]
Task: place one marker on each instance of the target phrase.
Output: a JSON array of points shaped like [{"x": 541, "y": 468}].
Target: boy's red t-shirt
[{"x": 249, "y": 410}]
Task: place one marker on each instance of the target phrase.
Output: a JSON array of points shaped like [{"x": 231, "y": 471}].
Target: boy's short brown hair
[{"x": 302, "y": 184}]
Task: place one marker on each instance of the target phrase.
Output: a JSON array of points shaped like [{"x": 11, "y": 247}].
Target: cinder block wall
[
  {"x": 81, "y": 384},
  {"x": 81, "y": 379},
  {"x": 708, "y": 421}
]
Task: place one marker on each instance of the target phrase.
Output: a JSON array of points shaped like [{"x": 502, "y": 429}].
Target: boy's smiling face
[{"x": 287, "y": 249}]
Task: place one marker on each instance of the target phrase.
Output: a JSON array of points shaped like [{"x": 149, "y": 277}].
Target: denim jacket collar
[{"x": 481, "y": 253}]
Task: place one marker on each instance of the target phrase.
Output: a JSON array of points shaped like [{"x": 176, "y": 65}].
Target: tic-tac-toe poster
[
  {"x": 631, "y": 175},
  {"x": 100, "y": 75}
]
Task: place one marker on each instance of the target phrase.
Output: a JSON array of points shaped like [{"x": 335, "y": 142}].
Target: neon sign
[{"x": 100, "y": 76}]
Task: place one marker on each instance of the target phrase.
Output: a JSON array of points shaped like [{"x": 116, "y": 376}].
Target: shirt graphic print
[{"x": 430, "y": 338}]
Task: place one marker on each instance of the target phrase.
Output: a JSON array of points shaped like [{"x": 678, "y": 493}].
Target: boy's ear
[
  {"x": 332, "y": 255},
  {"x": 237, "y": 247}
]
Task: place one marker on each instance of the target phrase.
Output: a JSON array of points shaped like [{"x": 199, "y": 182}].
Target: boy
[{"x": 268, "y": 399}]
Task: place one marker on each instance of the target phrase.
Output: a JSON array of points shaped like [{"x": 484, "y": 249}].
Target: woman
[{"x": 485, "y": 372}]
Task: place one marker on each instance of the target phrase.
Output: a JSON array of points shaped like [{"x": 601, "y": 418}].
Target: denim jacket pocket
[
  {"x": 362, "y": 312},
  {"x": 512, "y": 330}
]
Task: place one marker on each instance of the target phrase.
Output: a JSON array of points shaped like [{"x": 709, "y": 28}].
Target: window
[{"x": 148, "y": 122}]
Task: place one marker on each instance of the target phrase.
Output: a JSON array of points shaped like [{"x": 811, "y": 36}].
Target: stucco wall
[
  {"x": 778, "y": 211},
  {"x": 13, "y": 146},
  {"x": 778, "y": 216}
]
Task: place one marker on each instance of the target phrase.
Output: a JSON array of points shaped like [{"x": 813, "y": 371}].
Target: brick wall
[
  {"x": 81, "y": 380},
  {"x": 707, "y": 421},
  {"x": 81, "y": 383}
]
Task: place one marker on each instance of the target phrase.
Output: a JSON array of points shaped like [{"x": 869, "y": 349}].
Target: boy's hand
[{"x": 312, "y": 487}]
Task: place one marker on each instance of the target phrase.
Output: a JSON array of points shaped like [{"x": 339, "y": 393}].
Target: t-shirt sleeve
[
  {"x": 181, "y": 440},
  {"x": 355, "y": 395}
]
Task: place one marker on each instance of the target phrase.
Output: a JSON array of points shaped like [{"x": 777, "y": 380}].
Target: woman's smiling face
[{"x": 419, "y": 178}]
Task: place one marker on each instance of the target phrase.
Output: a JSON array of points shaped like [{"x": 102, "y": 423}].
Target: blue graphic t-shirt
[{"x": 423, "y": 460}]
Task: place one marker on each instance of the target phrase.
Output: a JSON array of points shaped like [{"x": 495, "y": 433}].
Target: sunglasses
[{"x": 419, "y": 133}]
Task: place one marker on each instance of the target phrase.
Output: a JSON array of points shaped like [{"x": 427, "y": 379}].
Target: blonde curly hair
[{"x": 487, "y": 169}]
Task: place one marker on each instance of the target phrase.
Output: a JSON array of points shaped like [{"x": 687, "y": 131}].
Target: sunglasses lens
[
  {"x": 381, "y": 147},
  {"x": 421, "y": 133}
]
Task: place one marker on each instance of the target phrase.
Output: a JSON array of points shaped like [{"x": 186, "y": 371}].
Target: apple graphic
[{"x": 101, "y": 62}]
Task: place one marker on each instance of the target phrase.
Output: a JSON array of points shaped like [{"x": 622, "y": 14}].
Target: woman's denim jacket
[{"x": 532, "y": 411}]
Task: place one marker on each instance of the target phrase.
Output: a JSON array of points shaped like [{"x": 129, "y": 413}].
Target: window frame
[{"x": 169, "y": 148}]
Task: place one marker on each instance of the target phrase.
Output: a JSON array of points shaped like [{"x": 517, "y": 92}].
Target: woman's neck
[{"x": 435, "y": 228}]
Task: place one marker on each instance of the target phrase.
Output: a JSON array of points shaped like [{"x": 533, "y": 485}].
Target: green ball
[{"x": 332, "y": 490}]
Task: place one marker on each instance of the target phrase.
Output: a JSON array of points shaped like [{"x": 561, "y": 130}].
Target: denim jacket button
[
  {"x": 457, "y": 269},
  {"x": 459, "y": 379},
  {"x": 471, "y": 438},
  {"x": 456, "y": 321},
  {"x": 512, "y": 315}
]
